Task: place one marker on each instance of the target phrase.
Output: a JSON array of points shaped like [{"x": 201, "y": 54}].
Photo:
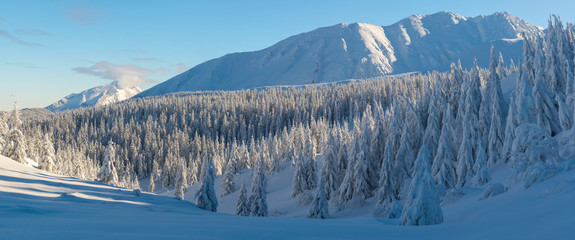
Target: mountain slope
[
  {"x": 359, "y": 50},
  {"x": 97, "y": 96}
]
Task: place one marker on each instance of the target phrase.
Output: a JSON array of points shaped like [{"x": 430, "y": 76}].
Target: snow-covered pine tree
[
  {"x": 181, "y": 180},
  {"x": 329, "y": 171},
  {"x": 433, "y": 129},
  {"x": 228, "y": 182},
  {"x": 480, "y": 167},
  {"x": 422, "y": 205},
  {"x": 151, "y": 184},
  {"x": 153, "y": 175},
  {"x": 206, "y": 196},
  {"x": 443, "y": 168},
  {"x": 388, "y": 189},
  {"x": 243, "y": 204},
  {"x": 404, "y": 158},
  {"x": 299, "y": 180},
  {"x": 108, "y": 173},
  {"x": 362, "y": 186},
  {"x": 510, "y": 125},
  {"x": 310, "y": 164},
  {"x": 319, "y": 206},
  {"x": 486, "y": 101},
  {"x": 15, "y": 146},
  {"x": 465, "y": 160},
  {"x": 3, "y": 130},
  {"x": 496, "y": 135},
  {"x": 547, "y": 115},
  {"x": 47, "y": 155},
  {"x": 258, "y": 191}
]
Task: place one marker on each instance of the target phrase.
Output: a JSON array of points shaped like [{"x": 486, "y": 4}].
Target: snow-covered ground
[{"x": 39, "y": 205}]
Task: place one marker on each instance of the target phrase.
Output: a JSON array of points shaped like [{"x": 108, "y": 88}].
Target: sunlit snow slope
[{"x": 360, "y": 50}]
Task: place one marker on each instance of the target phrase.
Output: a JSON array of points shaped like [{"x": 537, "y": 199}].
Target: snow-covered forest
[{"x": 409, "y": 141}]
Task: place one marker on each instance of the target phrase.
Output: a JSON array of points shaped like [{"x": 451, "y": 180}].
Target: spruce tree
[
  {"x": 243, "y": 205},
  {"x": 319, "y": 206},
  {"x": 443, "y": 168},
  {"x": 206, "y": 196},
  {"x": 108, "y": 173},
  {"x": 47, "y": 155},
  {"x": 181, "y": 181},
  {"x": 228, "y": 182},
  {"x": 480, "y": 168},
  {"x": 329, "y": 170},
  {"x": 258, "y": 192},
  {"x": 423, "y": 205}
]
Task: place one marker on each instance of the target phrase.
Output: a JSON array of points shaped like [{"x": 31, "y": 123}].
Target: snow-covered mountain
[
  {"x": 359, "y": 50},
  {"x": 97, "y": 96}
]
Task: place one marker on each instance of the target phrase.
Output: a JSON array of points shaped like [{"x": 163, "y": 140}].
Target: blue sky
[{"x": 49, "y": 49}]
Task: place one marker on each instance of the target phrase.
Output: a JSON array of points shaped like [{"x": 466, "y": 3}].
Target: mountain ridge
[
  {"x": 97, "y": 96},
  {"x": 419, "y": 43}
]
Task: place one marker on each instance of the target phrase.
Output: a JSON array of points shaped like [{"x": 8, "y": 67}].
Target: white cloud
[{"x": 127, "y": 75}]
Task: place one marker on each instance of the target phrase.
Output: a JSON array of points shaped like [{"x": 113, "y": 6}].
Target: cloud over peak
[{"x": 126, "y": 75}]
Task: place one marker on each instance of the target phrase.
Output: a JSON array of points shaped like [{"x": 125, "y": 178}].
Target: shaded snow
[{"x": 36, "y": 204}]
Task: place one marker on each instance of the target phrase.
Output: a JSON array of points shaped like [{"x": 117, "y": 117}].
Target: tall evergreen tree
[
  {"x": 108, "y": 173},
  {"x": 181, "y": 180},
  {"x": 228, "y": 182},
  {"x": 329, "y": 171},
  {"x": 547, "y": 115},
  {"x": 243, "y": 205},
  {"x": 47, "y": 155},
  {"x": 258, "y": 192},
  {"x": 206, "y": 196},
  {"x": 422, "y": 206},
  {"x": 319, "y": 206},
  {"x": 443, "y": 168}
]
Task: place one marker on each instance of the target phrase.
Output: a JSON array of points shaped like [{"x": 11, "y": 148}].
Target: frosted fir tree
[
  {"x": 243, "y": 204},
  {"x": 299, "y": 180},
  {"x": 422, "y": 205},
  {"x": 181, "y": 181},
  {"x": 433, "y": 129},
  {"x": 153, "y": 174},
  {"x": 534, "y": 155},
  {"x": 258, "y": 191},
  {"x": 547, "y": 115},
  {"x": 228, "y": 182},
  {"x": 310, "y": 164},
  {"x": 443, "y": 168},
  {"x": 47, "y": 155},
  {"x": 319, "y": 206},
  {"x": 480, "y": 168},
  {"x": 404, "y": 158},
  {"x": 510, "y": 125},
  {"x": 329, "y": 171},
  {"x": 206, "y": 196},
  {"x": 15, "y": 146},
  {"x": 3, "y": 130},
  {"x": 388, "y": 189},
  {"x": 486, "y": 102},
  {"x": 362, "y": 188},
  {"x": 464, "y": 169},
  {"x": 346, "y": 188},
  {"x": 108, "y": 173},
  {"x": 496, "y": 135}
]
